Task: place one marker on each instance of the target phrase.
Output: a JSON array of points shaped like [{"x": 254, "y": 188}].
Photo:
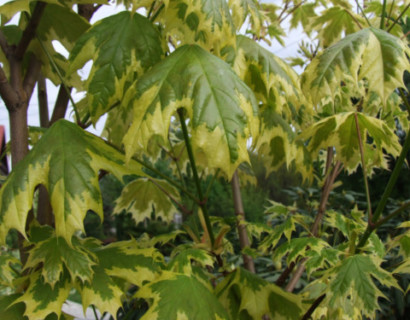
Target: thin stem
[
  {"x": 392, "y": 215},
  {"x": 362, "y": 11},
  {"x": 68, "y": 91},
  {"x": 391, "y": 10},
  {"x": 366, "y": 183},
  {"x": 156, "y": 14},
  {"x": 95, "y": 312},
  {"x": 387, "y": 191},
  {"x": 195, "y": 174},
  {"x": 383, "y": 15},
  {"x": 354, "y": 19},
  {"x": 298, "y": 274},
  {"x": 405, "y": 100},
  {"x": 159, "y": 173},
  {"x": 398, "y": 18},
  {"x": 168, "y": 179},
  {"x": 151, "y": 9},
  {"x": 209, "y": 188},
  {"x": 175, "y": 159},
  {"x": 313, "y": 307}
]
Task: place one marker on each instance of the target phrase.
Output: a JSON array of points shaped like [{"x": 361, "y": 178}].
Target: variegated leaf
[
  {"x": 244, "y": 9},
  {"x": 127, "y": 261},
  {"x": 55, "y": 253},
  {"x": 41, "y": 299},
  {"x": 298, "y": 247},
  {"x": 207, "y": 23},
  {"x": 221, "y": 109},
  {"x": 117, "y": 262},
  {"x": 273, "y": 81},
  {"x": 8, "y": 266},
  {"x": 336, "y": 21},
  {"x": 102, "y": 291},
  {"x": 66, "y": 161},
  {"x": 284, "y": 229},
  {"x": 247, "y": 296},
  {"x": 182, "y": 260},
  {"x": 350, "y": 282},
  {"x": 198, "y": 301},
  {"x": 119, "y": 46},
  {"x": 340, "y": 132},
  {"x": 370, "y": 54},
  {"x": 140, "y": 197}
]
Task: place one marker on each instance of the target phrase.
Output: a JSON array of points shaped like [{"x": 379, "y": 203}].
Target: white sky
[{"x": 291, "y": 45}]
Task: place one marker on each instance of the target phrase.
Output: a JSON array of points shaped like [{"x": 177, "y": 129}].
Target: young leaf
[
  {"x": 66, "y": 161},
  {"x": 140, "y": 196},
  {"x": 197, "y": 302},
  {"x": 248, "y": 296},
  {"x": 41, "y": 299},
  {"x": 273, "y": 81},
  {"x": 340, "y": 132},
  {"x": 222, "y": 110},
  {"x": 370, "y": 54},
  {"x": 119, "y": 46},
  {"x": 351, "y": 280}
]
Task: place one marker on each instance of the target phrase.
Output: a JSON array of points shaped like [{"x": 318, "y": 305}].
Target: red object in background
[{"x": 4, "y": 167}]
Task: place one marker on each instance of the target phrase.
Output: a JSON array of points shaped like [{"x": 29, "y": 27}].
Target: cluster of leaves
[{"x": 180, "y": 86}]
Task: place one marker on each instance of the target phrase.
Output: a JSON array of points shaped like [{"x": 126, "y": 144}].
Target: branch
[
  {"x": 30, "y": 32},
  {"x": 398, "y": 18},
  {"x": 313, "y": 307},
  {"x": 60, "y": 107},
  {"x": 7, "y": 92}
]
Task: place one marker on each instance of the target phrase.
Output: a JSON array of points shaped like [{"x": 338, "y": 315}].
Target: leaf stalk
[{"x": 197, "y": 181}]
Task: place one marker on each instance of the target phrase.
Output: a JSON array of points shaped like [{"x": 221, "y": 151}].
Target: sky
[{"x": 290, "y": 49}]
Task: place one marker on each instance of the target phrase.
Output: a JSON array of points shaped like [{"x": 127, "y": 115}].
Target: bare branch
[{"x": 30, "y": 31}]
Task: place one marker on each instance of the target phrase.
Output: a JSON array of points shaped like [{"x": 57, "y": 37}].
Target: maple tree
[{"x": 178, "y": 81}]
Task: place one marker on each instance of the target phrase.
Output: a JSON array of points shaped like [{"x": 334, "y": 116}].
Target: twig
[
  {"x": 398, "y": 18},
  {"x": 30, "y": 31},
  {"x": 313, "y": 307},
  {"x": 362, "y": 11}
]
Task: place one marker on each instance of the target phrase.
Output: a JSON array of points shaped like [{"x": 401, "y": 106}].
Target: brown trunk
[{"x": 240, "y": 214}]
